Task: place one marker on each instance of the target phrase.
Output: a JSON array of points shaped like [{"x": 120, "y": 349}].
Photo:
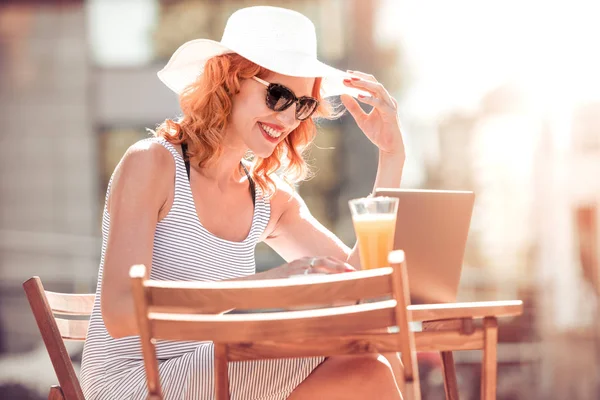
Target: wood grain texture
[
  {"x": 430, "y": 312},
  {"x": 211, "y": 297},
  {"x": 72, "y": 329},
  {"x": 278, "y": 326},
  {"x": 442, "y": 325},
  {"x": 490, "y": 359},
  {"x": 467, "y": 326},
  {"x": 70, "y": 304},
  {"x": 221, "y": 372},
  {"x": 56, "y": 393},
  {"x": 449, "y": 370},
  {"x": 341, "y": 345},
  {"x": 137, "y": 275},
  {"x": 448, "y": 340},
  {"x": 401, "y": 292}
]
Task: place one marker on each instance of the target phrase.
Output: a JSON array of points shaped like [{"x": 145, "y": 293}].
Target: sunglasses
[{"x": 280, "y": 98}]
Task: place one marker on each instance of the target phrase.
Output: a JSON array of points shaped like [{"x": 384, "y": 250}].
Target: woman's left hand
[{"x": 382, "y": 124}]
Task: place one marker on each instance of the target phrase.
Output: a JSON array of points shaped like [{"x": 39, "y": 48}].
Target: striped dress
[{"x": 184, "y": 250}]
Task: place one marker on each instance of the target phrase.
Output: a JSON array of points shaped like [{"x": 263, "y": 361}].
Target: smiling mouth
[{"x": 274, "y": 133}]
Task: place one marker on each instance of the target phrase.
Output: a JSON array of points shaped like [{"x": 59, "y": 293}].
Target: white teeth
[{"x": 270, "y": 131}]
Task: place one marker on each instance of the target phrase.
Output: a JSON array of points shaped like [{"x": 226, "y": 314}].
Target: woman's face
[{"x": 258, "y": 127}]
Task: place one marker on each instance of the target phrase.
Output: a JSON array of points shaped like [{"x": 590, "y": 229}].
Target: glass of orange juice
[{"x": 374, "y": 220}]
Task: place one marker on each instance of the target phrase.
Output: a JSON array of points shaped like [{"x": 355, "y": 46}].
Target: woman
[{"x": 185, "y": 203}]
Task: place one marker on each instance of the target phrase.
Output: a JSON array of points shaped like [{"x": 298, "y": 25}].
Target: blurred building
[{"x": 48, "y": 189}]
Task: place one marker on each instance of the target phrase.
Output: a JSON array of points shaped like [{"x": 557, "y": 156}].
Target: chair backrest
[
  {"x": 54, "y": 329},
  {"x": 329, "y": 316}
]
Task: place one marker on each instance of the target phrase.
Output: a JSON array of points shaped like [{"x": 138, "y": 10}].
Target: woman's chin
[
  {"x": 263, "y": 153},
  {"x": 262, "y": 150}
]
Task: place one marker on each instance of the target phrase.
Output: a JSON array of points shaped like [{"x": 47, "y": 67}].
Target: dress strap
[
  {"x": 186, "y": 160},
  {"x": 252, "y": 184}
]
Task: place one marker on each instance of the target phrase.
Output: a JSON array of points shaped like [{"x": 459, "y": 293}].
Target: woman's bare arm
[
  {"x": 139, "y": 191},
  {"x": 297, "y": 233}
]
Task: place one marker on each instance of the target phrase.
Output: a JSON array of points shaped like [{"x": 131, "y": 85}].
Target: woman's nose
[{"x": 288, "y": 116}]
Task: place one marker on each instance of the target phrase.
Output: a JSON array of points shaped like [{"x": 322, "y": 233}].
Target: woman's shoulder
[
  {"x": 144, "y": 174},
  {"x": 147, "y": 155},
  {"x": 285, "y": 197},
  {"x": 146, "y": 161}
]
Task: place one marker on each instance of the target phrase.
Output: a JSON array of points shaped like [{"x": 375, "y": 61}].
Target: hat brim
[{"x": 187, "y": 63}]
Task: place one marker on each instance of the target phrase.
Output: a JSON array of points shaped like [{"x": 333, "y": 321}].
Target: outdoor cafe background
[{"x": 497, "y": 97}]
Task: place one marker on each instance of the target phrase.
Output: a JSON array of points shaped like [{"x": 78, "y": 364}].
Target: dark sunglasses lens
[
  {"x": 279, "y": 97},
  {"x": 305, "y": 108}
]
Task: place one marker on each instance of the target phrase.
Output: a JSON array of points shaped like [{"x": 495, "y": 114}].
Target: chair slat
[
  {"x": 72, "y": 329},
  {"x": 342, "y": 345},
  {"x": 213, "y": 297},
  {"x": 277, "y": 326},
  {"x": 70, "y": 304}
]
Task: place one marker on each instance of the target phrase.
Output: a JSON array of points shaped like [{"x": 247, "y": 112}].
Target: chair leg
[
  {"x": 450, "y": 381},
  {"x": 221, "y": 372},
  {"x": 490, "y": 360},
  {"x": 56, "y": 393},
  {"x": 411, "y": 391}
]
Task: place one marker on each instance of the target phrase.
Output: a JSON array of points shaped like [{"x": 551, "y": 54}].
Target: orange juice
[{"x": 375, "y": 235}]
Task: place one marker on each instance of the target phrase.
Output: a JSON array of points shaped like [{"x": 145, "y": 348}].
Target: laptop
[{"x": 432, "y": 228}]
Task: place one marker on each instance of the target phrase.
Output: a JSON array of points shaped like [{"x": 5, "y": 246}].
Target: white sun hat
[{"x": 281, "y": 40}]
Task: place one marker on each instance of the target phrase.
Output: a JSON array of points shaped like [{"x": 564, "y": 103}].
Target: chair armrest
[{"x": 481, "y": 309}]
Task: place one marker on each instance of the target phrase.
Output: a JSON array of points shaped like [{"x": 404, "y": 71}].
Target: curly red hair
[{"x": 206, "y": 106}]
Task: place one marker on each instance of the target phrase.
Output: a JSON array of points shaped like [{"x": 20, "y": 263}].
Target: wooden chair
[
  {"x": 54, "y": 330},
  {"x": 177, "y": 311}
]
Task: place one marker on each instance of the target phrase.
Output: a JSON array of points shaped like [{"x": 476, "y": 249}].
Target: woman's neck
[{"x": 225, "y": 170}]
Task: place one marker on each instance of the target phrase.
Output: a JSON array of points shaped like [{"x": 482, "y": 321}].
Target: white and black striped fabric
[{"x": 184, "y": 250}]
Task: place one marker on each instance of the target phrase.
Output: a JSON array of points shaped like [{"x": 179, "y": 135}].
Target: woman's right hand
[{"x": 308, "y": 265}]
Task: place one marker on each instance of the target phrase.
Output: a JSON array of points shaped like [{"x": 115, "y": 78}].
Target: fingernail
[
  {"x": 361, "y": 96},
  {"x": 354, "y": 78},
  {"x": 347, "y": 80}
]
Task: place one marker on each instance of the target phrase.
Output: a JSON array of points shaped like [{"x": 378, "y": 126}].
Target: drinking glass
[{"x": 374, "y": 220}]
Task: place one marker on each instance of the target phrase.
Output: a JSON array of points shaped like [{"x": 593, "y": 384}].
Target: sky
[{"x": 457, "y": 50}]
